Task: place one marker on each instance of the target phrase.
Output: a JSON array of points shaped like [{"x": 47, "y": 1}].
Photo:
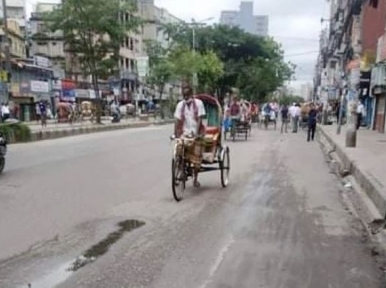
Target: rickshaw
[
  {"x": 304, "y": 110},
  {"x": 237, "y": 127},
  {"x": 248, "y": 116},
  {"x": 86, "y": 110},
  {"x": 215, "y": 155},
  {"x": 63, "y": 111}
]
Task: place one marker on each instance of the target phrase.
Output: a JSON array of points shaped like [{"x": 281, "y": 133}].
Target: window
[{"x": 131, "y": 44}]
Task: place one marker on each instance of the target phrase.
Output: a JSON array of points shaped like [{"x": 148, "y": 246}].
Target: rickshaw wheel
[
  {"x": 178, "y": 178},
  {"x": 224, "y": 163},
  {"x": 2, "y": 164}
]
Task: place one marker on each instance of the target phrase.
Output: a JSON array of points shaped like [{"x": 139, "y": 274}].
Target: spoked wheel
[
  {"x": 2, "y": 164},
  {"x": 178, "y": 178},
  {"x": 224, "y": 162}
]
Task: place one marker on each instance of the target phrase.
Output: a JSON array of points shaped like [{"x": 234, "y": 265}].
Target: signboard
[
  {"x": 68, "y": 90},
  {"x": 24, "y": 88},
  {"x": 42, "y": 62},
  {"x": 39, "y": 86},
  {"x": 81, "y": 93},
  {"x": 381, "y": 48},
  {"x": 56, "y": 84}
]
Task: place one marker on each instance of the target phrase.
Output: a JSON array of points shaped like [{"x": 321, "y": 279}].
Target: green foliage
[
  {"x": 253, "y": 64},
  {"x": 288, "y": 100},
  {"x": 16, "y": 132},
  {"x": 94, "y": 31}
]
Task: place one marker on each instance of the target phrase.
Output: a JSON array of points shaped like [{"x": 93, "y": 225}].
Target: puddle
[
  {"x": 103, "y": 246},
  {"x": 65, "y": 271}
]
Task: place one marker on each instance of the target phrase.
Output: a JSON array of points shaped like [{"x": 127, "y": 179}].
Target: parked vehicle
[{"x": 3, "y": 151}]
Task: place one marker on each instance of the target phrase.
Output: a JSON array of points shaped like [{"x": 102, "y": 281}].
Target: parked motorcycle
[
  {"x": 116, "y": 118},
  {"x": 3, "y": 151}
]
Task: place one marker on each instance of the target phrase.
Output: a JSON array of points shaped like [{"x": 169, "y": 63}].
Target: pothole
[{"x": 58, "y": 276}]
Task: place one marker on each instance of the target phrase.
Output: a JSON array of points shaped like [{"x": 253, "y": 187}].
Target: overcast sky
[{"x": 294, "y": 23}]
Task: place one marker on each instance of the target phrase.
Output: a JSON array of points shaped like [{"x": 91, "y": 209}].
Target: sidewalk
[{"x": 366, "y": 162}]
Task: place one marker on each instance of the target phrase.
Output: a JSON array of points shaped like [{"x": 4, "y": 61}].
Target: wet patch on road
[
  {"x": 103, "y": 246},
  {"x": 64, "y": 272}
]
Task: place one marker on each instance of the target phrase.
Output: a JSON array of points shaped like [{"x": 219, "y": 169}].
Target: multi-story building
[
  {"x": 306, "y": 91},
  {"x": 44, "y": 42},
  {"x": 246, "y": 20},
  {"x": 16, "y": 39},
  {"x": 16, "y": 9},
  {"x": 155, "y": 18}
]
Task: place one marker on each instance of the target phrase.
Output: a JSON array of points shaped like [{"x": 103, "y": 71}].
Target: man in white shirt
[
  {"x": 5, "y": 112},
  {"x": 189, "y": 113},
  {"x": 360, "y": 114},
  {"x": 295, "y": 114}
]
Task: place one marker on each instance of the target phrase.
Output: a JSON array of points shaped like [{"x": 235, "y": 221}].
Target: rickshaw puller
[{"x": 189, "y": 113}]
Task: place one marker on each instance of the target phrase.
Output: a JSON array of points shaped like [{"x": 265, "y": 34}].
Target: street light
[{"x": 193, "y": 24}]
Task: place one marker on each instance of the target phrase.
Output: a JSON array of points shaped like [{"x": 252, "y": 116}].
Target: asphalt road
[{"x": 281, "y": 222}]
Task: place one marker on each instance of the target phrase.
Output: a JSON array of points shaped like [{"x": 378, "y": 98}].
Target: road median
[{"x": 47, "y": 133}]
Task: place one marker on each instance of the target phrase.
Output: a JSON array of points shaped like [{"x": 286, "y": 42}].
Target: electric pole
[{"x": 6, "y": 50}]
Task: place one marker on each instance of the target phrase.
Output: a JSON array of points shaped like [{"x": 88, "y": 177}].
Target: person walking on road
[
  {"x": 284, "y": 118},
  {"x": 295, "y": 114},
  {"x": 360, "y": 114},
  {"x": 312, "y": 119}
]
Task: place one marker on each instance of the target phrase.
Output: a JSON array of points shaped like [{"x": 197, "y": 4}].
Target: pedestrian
[
  {"x": 284, "y": 118},
  {"x": 312, "y": 118},
  {"x": 295, "y": 114},
  {"x": 337, "y": 111},
  {"x": 5, "y": 112},
  {"x": 360, "y": 113},
  {"x": 43, "y": 113}
]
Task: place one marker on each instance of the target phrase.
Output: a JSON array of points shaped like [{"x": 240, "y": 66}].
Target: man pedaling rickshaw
[{"x": 189, "y": 114}]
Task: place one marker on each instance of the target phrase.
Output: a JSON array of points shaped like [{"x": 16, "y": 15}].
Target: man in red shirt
[{"x": 235, "y": 109}]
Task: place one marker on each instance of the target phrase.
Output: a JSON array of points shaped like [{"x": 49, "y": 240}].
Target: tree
[
  {"x": 94, "y": 32},
  {"x": 253, "y": 64},
  {"x": 161, "y": 70},
  {"x": 208, "y": 67}
]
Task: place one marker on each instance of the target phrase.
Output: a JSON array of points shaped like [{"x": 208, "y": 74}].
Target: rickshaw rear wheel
[
  {"x": 2, "y": 164},
  {"x": 178, "y": 178},
  {"x": 224, "y": 163}
]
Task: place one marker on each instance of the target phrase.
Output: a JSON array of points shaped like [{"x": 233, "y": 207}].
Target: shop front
[{"x": 378, "y": 91}]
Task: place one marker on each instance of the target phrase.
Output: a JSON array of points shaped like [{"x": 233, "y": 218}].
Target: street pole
[
  {"x": 351, "y": 133},
  {"x": 194, "y": 54},
  {"x": 340, "y": 114},
  {"x": 7, "y": 52}
]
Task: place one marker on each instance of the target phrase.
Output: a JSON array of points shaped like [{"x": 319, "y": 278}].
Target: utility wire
[{"x": 301, "y": 54}]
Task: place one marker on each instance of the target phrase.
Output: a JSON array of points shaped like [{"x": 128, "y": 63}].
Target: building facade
[
  {"x": 44, "y": 42},
  {"x": 352, "y": 61},
  {"x": 246, "y": 20},
  {"x": 16, "y": 9}
]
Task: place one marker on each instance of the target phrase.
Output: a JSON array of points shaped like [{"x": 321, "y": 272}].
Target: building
[
  {"x": 306, "y": 91},
  {"x": 43, "y": 42},
  {"x": 246, "y": 20},
  {"x": 16, "y": 39},
  {"x": 155, "y": 18},
  {"x": 16, "y": 9},
  {"x": 352, "y": 63}
]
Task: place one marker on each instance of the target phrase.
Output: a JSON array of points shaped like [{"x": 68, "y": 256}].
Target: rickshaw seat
[{"x": 212, "y": 130}]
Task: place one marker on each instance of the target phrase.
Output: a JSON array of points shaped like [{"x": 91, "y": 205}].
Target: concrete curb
[
  {"x": 366, "y": 182},
  {"x": 54, "y": 134}
]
